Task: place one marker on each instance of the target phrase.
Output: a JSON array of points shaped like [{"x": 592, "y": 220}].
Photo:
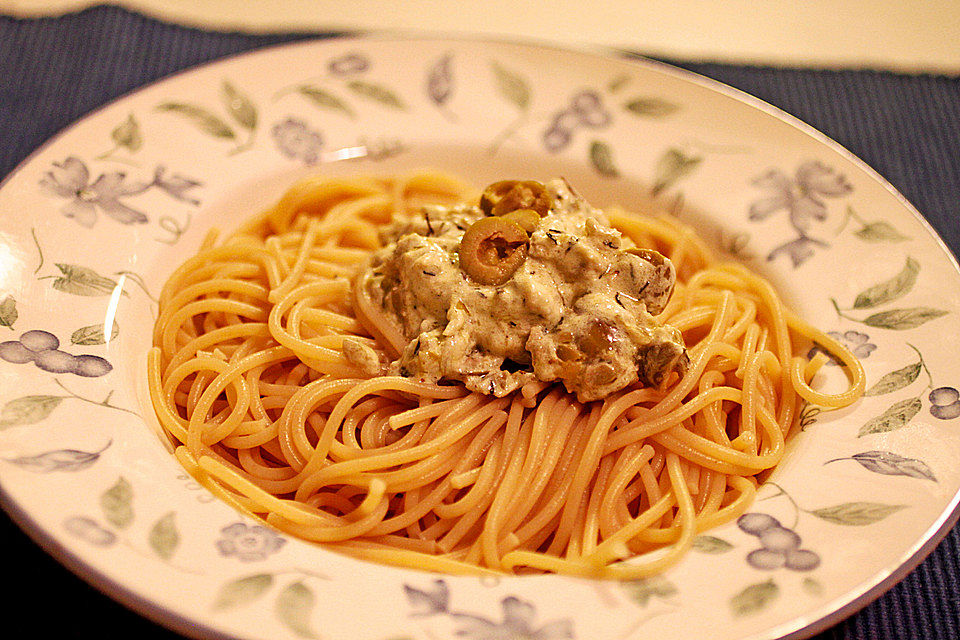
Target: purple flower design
[
  {"x": 588, "y": 107},
  {"x": 427, "y": 602},
  {"x": 71, "y": 180},
  {"x": 518, "y": 618},
  {"x": 518, "y": 621},
  {"x": 175, "y": 186},
  {"x": 945, "y": 403},
  {"x": 348, "y": 64},
  {"x": 780, "y": 547},
  {"x": 381, "y": 148},
  {"x": 798, "y": 250},
  {"x": 248, "y": 543},
  {"x": 556, "y": 138},
  {"x": 584, "y": 109},
  {"x": 858, "y": 343},
  {"x": 297, "y": 140},
  {"x": 802, "y": 198}
]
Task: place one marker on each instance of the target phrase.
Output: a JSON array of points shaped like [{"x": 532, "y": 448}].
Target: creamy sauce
[{"x": 579, "y": 309}]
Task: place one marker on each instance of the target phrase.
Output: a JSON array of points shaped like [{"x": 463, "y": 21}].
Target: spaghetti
[{"x": 248, "y": 376}]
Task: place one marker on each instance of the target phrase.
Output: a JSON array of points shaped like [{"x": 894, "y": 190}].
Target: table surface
[
  {"x": 880, "y": 34},
  {"x": 55, "y": 70}
]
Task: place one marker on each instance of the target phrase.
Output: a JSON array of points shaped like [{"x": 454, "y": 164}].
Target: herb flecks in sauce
[{"x": 574, "y": 302}]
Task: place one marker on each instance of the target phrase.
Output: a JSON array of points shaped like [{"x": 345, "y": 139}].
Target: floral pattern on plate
[{"x": 106, "y": 210}]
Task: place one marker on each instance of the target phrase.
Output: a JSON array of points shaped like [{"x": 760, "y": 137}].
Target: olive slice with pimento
[
  {"x": 509, "y": 195},
  {"x": 492, "y": 249}
]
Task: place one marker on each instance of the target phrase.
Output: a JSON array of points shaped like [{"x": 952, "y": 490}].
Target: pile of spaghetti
[{"x": 249, "y": 379}]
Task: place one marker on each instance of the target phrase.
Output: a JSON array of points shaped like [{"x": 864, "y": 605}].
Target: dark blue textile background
[{"x": 53, "y": 71}]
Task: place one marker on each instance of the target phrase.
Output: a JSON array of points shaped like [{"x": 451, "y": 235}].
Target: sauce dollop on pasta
[{"x": 578, "y": 306}]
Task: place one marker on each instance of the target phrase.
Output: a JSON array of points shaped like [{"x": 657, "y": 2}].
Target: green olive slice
[
  {"x": 526, "y": 219},
  {"x": 493, "y": 194},
  {"x": 509, "y": 195},
  {"x": 492, "y": 249},
  {"x": 599, "y": 338}
]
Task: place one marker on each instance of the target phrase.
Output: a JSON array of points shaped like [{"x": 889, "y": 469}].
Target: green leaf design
[
  {"x": 754, "y": 598},
  {"x": 901, "y": 319},
  {"x": 164, "y": 537},
  {"x": 117, "y": 503},
  {"x": 888, "y": 291},
  {"x": 199, "y": 117},
  {"x": 28, "y": 410},
  {"x": 642, "y": 590},
  {"x": 601, "y": 157},
  {"x": 736, "y": 244},
  {"x": 239, "y": 106},
  {"x": 879, "y": 232},
  {"x": 895, "y": 380},
  {"x": 511, "y": 86},
  {"x": 376, "y": 93},
  {"x": 242, "y": 591},
  {"x": 651, "y": 107},
  {"x": 93, "y": 334},
  {"x": 711, "y": 544},
  {"x": 618, "y": 82},
  {"x": 294, "y": 607},
  {"x": 895, "y": 417},
  {"x": 8, "y": 312},
  {"x": 857, "y": 514},
  {"x": 812, "y": 587},
  {"x": 325, "y": 99},
  {"x": 672, "y": 166},
  {"x": 127, "y": 134},
  {"x": 83, "y": 281}
]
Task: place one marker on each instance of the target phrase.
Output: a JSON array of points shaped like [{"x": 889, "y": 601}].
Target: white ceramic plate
[{"x": 94, "y": 221}]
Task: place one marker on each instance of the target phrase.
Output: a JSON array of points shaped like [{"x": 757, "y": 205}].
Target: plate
[{"x": 110, "y": 206}]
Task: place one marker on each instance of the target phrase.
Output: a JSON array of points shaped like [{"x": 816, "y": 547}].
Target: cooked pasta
[{"x": 249, "y": 377}]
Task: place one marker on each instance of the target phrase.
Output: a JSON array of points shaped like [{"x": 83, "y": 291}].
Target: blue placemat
[{"x": 53, "y": 71}]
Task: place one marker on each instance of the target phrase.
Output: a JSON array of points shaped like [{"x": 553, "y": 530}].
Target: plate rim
[{"x": 829, "y": 614}]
